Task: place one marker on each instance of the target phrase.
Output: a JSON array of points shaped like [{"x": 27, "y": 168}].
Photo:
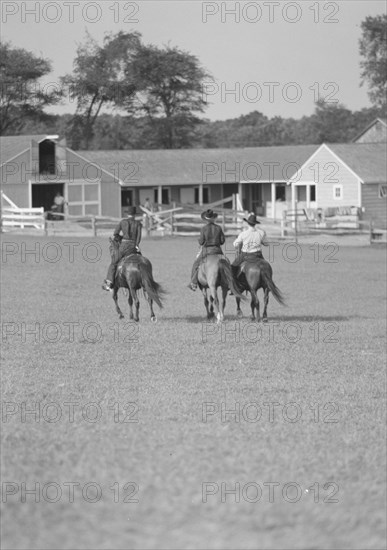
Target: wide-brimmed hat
[
  {"x": 251, "y": 220},
  {"x": 132, "y": 211},
  {"x": 208, "y": 215}
]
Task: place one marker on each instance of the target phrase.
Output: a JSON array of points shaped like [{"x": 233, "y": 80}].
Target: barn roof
[
  {"x": 194, "y": 166},
  {"x": 367, "y": 160},
  {"x": 11, "y": 146},
  {"x": 381, "y": 121}
]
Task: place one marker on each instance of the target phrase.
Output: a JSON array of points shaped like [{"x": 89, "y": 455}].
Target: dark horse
[
  {"x": 135, "y": 272},
  {"x": 256, "y": 275},
  {"x": 215, "y": 271}
]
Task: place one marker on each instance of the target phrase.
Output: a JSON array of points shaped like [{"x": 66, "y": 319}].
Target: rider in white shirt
[{"x": 248, "y": 243}]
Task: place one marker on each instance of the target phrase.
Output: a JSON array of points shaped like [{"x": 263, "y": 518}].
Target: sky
[{"x": 275, "y": 57}]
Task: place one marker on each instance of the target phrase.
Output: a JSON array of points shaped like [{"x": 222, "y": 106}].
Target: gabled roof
[
  {"x": 367, "y": 160},
  {"x": 381, "y": 121},
  {"x": 11, "y": 146},
  {"x": 137, "y": 168}
]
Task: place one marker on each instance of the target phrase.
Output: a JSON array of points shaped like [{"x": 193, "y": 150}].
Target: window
[
  {"x": 383, "y": 191},
  {"x": 337, "y": 192},
  {"x": 164, "y": 195},
  {"x": 312, "y": 193},
  {"x": 280, "y": 192},
  {"x": 206, "y": 195}
]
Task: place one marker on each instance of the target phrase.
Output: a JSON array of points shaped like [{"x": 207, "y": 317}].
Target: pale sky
[{"x": 275, "y": 55}]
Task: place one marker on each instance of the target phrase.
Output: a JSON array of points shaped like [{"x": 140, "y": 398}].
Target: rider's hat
[
  {"x": 251, "y": 220},
  {"x": 132, "y": 211},
  {"x": 208, "y": 215}
]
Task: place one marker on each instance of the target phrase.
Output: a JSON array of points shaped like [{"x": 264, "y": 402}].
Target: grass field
[{"x": 144, "y": 412}]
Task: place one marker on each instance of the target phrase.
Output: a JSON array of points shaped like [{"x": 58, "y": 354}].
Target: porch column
[
  {"x": 160, "y": 195},
  {"x": 201, "y": 194},
  {"x": 240, "y": 192},
  {"x": 273, "y": 186},
  {"x": 307, "y": 195},
  {"x": 294, "y": 204}
]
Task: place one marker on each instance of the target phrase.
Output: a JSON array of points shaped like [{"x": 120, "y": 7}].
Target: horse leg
[
  {"x": 134, "y": 295},
  {"x": 153, "y": 316},
  {"x": 130, "y": 302},
  {"x": 224, "y": 296},
  {"x": 266, "y": 298},
  {"x": 239, "y": 311},
  {"x": 206, "y": 304},
  {"x": 254, "y": 305},
  {"x": 115, "y": 298},
  {"x": 257, "y": 306},
  {"x": 218, "y": 310}
]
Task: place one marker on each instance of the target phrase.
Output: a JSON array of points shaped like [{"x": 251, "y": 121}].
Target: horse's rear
[
  {"x": 135, "y": 273},
  {"x": 214, "y": 272},
  {"x": 258, "y": 275}
]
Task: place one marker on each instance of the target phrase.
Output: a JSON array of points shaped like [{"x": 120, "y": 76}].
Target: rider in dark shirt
[
  {"x": 131, "y": 238},
  {"x": 211, "y": 238}
]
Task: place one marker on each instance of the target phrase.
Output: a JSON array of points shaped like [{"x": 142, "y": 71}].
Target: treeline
[
  {"x": 156, "y": 95},
  {"x": 329, "y": 124}
]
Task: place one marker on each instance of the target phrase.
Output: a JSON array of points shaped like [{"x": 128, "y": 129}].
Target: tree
[
  {"x": 98, "y": 80},
  {"x": 373, "y": 49},
  {"x": 22, "y": 97},
  {"x": 169, "y": 91}
]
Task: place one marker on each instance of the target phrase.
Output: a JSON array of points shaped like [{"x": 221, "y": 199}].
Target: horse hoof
[
  {"x": 252, "y": 318},
  {"x": 154, "y": 319},
  {"x": 264, "y": 320},
  {"x": 239, "y": 314},
  {"x": 121, "y": 316}
]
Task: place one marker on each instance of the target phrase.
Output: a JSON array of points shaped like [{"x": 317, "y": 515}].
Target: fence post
[
  {"x": 173, "y": 218},
  {"x": 295, "y": 224},
  {"x": 223, "y": 222},
  {"x": 94, "y": 226},
  {"x": 283, "y": 223},
  {"x": 370, "y": 231}
]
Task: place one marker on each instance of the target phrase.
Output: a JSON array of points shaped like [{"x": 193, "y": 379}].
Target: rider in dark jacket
[
  {"x": 131, "y": 238},
  {"x": 211, "y": 238}
]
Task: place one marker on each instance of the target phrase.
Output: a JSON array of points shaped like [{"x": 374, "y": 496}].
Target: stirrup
[{"x": 192, "y": 286}]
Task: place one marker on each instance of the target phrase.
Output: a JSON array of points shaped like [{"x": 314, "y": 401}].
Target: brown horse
[
  {"x": 215, "y": 271},
  {"x": 133, "y": 273},
  {"x": 256, "y": 275}
]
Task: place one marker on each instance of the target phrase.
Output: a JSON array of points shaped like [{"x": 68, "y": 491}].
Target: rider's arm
[
  {"x": 202, "y": 237},
  {"x": 222, "y": 238},
  {"x": 238, "y": 241},
  {"x": 117, "y": 230},
  {"x": 264, "y": 240},
  {"x": 138, "y": 238}
]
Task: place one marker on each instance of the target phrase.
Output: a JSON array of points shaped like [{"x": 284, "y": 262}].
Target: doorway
[{"x": 43, "y": 194}]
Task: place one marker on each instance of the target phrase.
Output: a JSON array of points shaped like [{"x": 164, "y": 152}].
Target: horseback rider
[
  {"x": 248, "y": 243},
  {"x": 131, "y": 238},
  {"x": 211, "y": 238}
]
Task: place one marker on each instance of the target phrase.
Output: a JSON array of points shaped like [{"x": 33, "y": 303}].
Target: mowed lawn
[{"x": 139, "y": 418}]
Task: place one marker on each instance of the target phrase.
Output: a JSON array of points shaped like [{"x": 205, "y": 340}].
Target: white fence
[{"x": 19, "y": 218}]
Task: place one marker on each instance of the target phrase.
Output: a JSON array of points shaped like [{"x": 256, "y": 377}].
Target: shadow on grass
[{"x": 283, "y": 318}]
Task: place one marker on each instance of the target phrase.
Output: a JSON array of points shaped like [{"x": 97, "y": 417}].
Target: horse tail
[
  {"x": 153, "y": 289},
  {"x": 267, "y": 279},
  {"x": 228, "y": 279}
]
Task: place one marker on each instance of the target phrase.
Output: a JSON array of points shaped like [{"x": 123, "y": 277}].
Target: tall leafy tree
[
  {"x": 373, "y": 49},
  {"x": 23, "y": 98},
  {"x": 98, "y": 80},
  {"x": 169, "y": 86}
]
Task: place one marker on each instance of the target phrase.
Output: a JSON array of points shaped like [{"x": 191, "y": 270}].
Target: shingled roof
[
  {"x": 194, "y": 166},
  {"x": 367, "y": 160}
]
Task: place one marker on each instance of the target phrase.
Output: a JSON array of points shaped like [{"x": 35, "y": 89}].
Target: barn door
[{"x": 83, "y": 198}]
